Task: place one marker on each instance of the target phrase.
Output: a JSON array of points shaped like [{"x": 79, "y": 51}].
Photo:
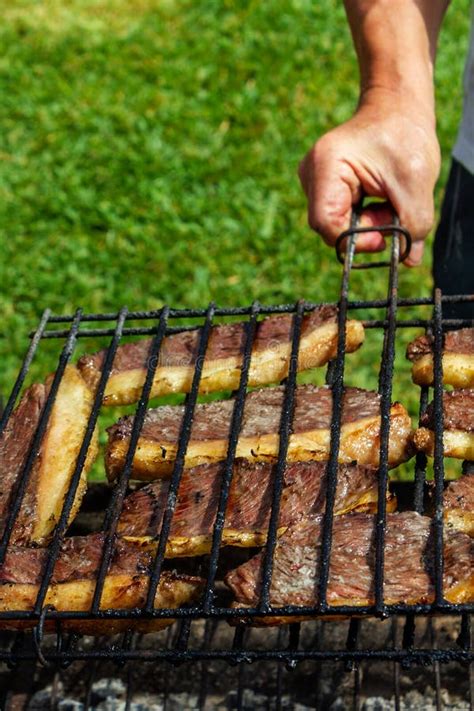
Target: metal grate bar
[
  {"x": 438, "y": 446},
  {"x": 53, "y": 550},
  {"x": 420, "y": 462},
  {"x": 385, "y": 390},
  {"x": 368, "y": 324},
  {"x": 112, "y": 514},
  {"x": 184, "y": 437},
  {"x": 396, "y": 665},
  {"x": 237, "y": 416},
  {"x": 421, "y": 656},
  {"x": 286, "y": 421},
  {"x": 352, "y": 639},
  {"x": 409, "y": 630},
  {"x": 336, "y": 418},
  {"x": 245, "y": 310},
  {"x": 25, "y": 366},
  {"x": 15, "y": 505},
  {"x": 183, "y": 635}
]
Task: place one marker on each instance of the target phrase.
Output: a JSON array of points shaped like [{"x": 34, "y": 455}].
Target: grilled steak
[
  {"x": 249, "y": 503},
  {"x": 458, "y": 426},
  {"x": 53, "y": 467},
  {"x": 73, "y": 583},
  {"x": 259, "y": 437},
  {"x": 459, "y": 504},
  {"x": 458, "y": 358},
  {"x": 223, "y": 361},
  {"x": 408, "y": 571}
]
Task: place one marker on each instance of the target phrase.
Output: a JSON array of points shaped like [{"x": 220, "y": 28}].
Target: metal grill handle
[{"x": 394, "y": 229}]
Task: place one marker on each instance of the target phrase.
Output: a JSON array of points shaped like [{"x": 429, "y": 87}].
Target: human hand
[{"x": 388, "y": 149}]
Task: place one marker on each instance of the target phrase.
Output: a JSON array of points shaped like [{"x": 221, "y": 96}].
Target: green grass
[{"x": 148, "y": 154}]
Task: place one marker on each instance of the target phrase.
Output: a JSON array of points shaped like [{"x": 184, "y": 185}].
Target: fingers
[
  {"x": 416, "y": 255},
  {"x": 331, "y": 188}
]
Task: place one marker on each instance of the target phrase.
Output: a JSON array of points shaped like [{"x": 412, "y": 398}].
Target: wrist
[{"x": 414, "y": 101}]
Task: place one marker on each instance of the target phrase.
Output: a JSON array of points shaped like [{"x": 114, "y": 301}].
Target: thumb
[{"x": 331, "y": 188}]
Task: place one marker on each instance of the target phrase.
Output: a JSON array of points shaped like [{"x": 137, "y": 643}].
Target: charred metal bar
[
  {"x": 284, "y": 432},
  {"x": 420, "y": 462},
  {"x": 60, "y": 530},
  {"x": 15, "y": 506},
  {"x": 37, "y": 335},
  {"x": 385, "y": 389},
  {"x": 337, "y": 397},
  {"x": 396, "y": 665},
  {"x": 372, "y": 323},
  {"x": 352, "y": 639},
  {"x": 113, "y": 511},
  {"x": 464, "y": 638},
  {"x": 239, "y": 704},
  {"x": 409, "y": 632},
  {"x": 183, "y": 635},
  {"x": 280, "y": 308},
  {"x": 438, "y": 444},
  {"x": 90, "y": 682},
  {"x": 236, "y": 423},
  {"x": 184, "y": 437},
  {"x": 417, "y": 655}
]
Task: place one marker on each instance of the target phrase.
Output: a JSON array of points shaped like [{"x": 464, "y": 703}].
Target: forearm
[{"x": 395, "y": 41}]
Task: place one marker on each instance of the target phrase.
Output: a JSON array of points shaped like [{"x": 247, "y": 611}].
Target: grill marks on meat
[
  {"x": 458, "y": 426},
  {"x": 223, "y": 361},
  {"x": 53, "y": 467},
  {"x": 408, "y": 574},
  {"x": 258, "y": 440},
  {"x": 249, "y": 503},
  {"x": 74, "y": 578},
  {"x": 459, "y": 504},
  {"x": 458, "y": 358}
]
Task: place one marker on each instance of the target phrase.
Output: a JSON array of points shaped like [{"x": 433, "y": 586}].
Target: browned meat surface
[
  {"x": 250, "y": 496},
  {"x": 225, "y": 341},
  {"x": 408, "y": 575},
  {"x": 459, "y": 494},
  {"x": 461, "y": 341},
  {"x": 79, "y": 559},
  {"x": 458, "y": 409},
  {"x": 54, "y": 465},
  {"x": 262, "y": 414},
  {"x": 15, "y": 443},
  {"x": 73, "y": 584}
]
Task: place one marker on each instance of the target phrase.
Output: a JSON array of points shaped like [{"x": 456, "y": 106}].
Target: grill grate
[{"x": 67, "y": 648}]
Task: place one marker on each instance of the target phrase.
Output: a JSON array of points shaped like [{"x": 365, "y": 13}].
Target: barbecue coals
[
  {"x": 459, "y": 504},
  {"x": 458, "y": 426},
  {"x": 223, "y": 361},
  {"x": 74, "y": 579},
  {"x": 408, "y": 569},
  {"x": 53, "y": 467},
  {"x": 248, "y": 506},
  {"x": 458, "y": 358},
  {"x": 259, "y": 438}
]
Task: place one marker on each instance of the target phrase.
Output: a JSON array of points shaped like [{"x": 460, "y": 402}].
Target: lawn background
[{"x": 148, "y": 154}]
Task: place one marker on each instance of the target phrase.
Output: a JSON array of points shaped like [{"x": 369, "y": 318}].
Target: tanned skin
[{"x": 389, "y": 148}]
